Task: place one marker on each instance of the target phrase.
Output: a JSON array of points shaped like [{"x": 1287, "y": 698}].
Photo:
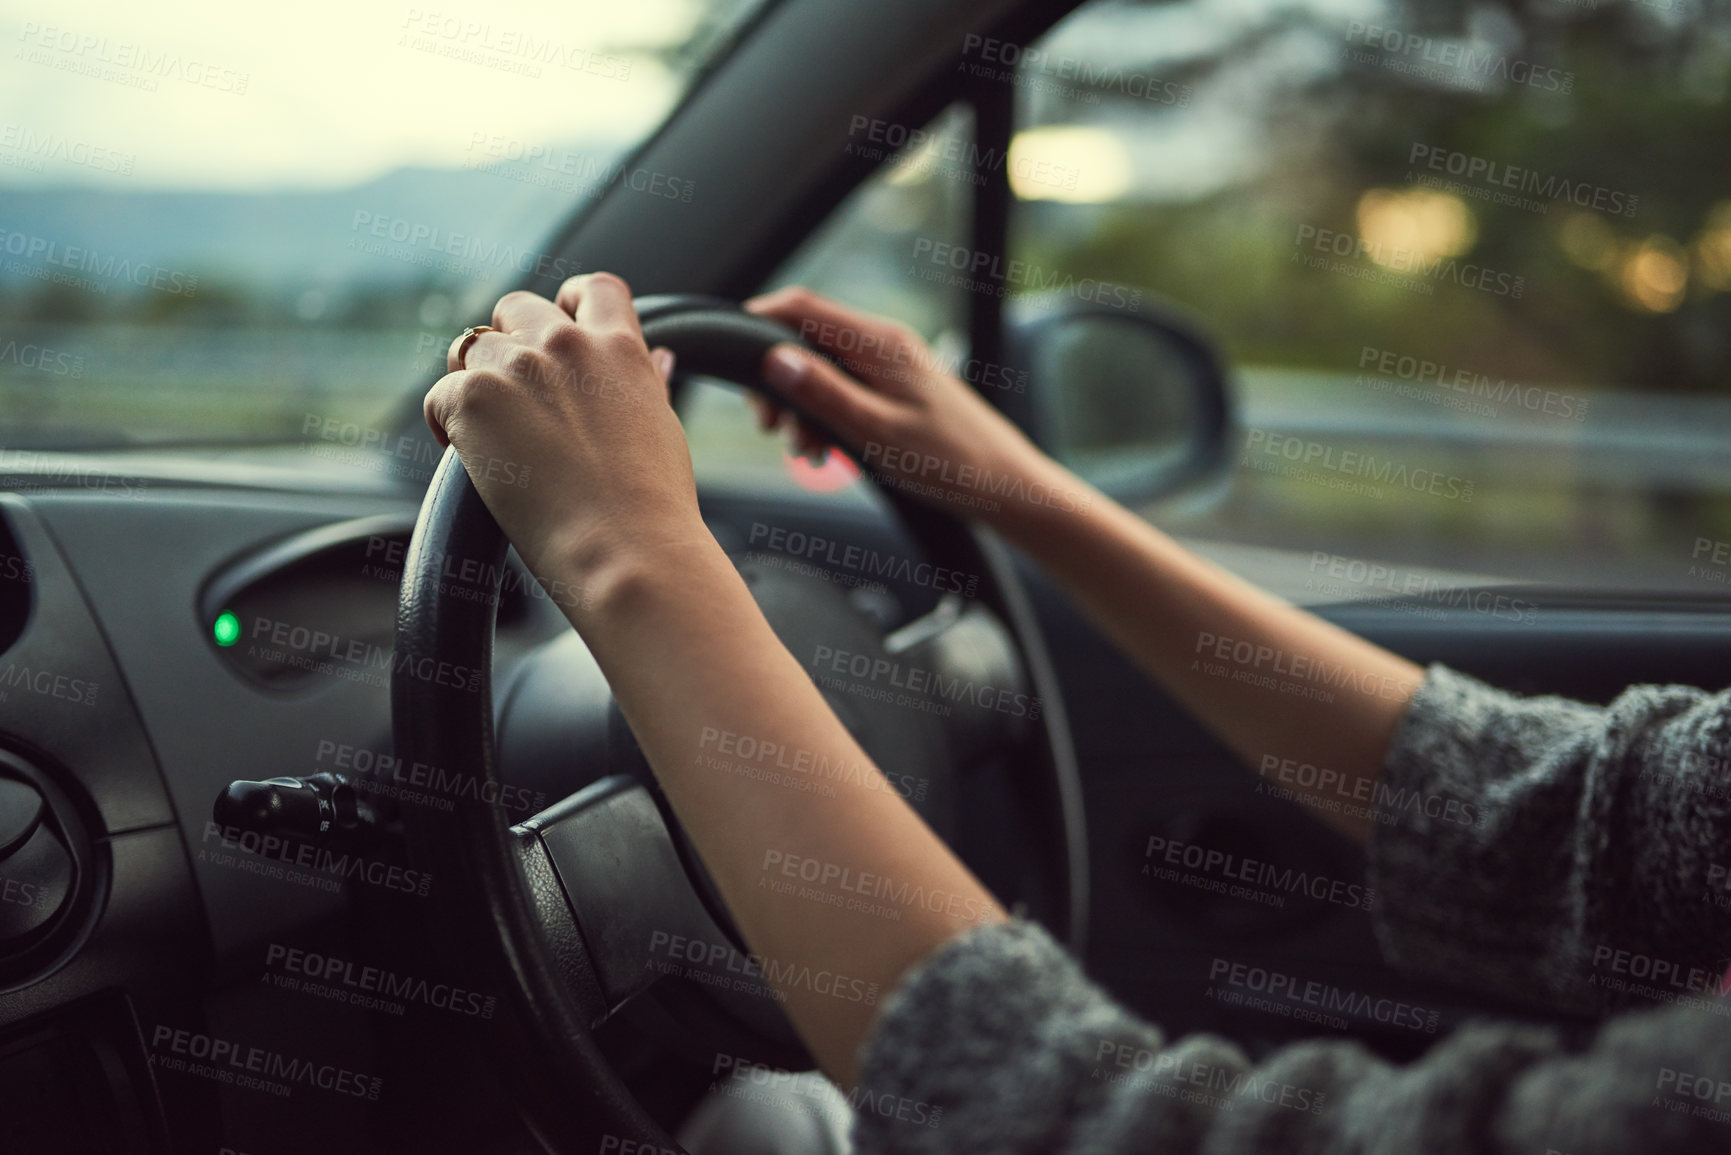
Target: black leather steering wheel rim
[{"x": 496, "y": 895}]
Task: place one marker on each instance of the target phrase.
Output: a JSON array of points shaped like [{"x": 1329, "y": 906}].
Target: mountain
[{"x": 401, "y": 226}]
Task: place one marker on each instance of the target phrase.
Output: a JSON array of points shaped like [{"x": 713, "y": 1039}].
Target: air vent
[
  {"x": 17, "y": 586},
  {"x": 49, "y": 873}
]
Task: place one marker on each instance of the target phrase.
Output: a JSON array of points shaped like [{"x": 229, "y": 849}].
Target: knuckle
[
  {"x": 471, "y": 392},
  {"x": 565, "y": 341},
  {"x": 621, "y": 342},
  {"x": 611, "y": 279},
  {"x": 525, "y": 364},
  {"x": 514, "y": 297}
]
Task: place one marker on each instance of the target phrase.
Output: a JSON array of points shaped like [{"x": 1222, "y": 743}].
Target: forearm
[
  {"x": 613, "y": 512},
  {"x": 1279, "y": 686},
  {"x": 695, "y": 668},
  {"x": 1275, "y": 683}
]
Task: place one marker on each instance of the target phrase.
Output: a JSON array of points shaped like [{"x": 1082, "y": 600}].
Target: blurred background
[{"x": 1491, "y": 241}]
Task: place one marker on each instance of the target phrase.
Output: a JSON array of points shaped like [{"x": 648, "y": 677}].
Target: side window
[
  {"x": 864, "y": 256},
  {"x": 1479, "y": 317}
]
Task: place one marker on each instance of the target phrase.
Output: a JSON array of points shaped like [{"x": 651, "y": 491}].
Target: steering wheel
[{"x": 571, "y": 914}]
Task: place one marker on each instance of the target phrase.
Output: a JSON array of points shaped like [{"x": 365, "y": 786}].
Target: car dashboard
[{"x": 166, "y": 631}]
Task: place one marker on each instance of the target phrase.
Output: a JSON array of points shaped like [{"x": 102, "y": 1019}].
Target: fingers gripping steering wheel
[{"x": 559, "y": 915}]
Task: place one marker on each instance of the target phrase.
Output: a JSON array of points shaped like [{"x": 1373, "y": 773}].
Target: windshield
[{"x": 227, "y": 223}]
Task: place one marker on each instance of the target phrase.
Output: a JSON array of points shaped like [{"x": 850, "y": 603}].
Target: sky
[
  {"x": 191, "y": 94},
  {"x": 197, "y": 95}
]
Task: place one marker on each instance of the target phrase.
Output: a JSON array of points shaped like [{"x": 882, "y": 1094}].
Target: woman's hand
[
  {"x": 562, "y": 420},
  {"x": 905, "y": 414}
]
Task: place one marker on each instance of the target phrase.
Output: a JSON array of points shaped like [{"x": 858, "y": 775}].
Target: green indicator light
[{"x": 227, "y": 630}]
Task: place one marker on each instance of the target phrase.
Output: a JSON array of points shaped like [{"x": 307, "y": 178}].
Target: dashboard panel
[
  {"x": 171, "y": 638},
  {"x": 127, "y": 705},
  {"x": 168, "y": 953}
]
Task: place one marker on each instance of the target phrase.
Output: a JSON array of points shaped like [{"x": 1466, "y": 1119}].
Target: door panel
[{"x": 1151, "y": 772}]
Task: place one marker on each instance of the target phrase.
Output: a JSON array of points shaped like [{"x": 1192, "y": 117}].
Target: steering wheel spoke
[
  {"x": 611, "y": 853},
  {"x": 967, "y": 659}
]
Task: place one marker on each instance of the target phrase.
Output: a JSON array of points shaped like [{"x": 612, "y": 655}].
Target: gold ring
[{"x": 466, "y": 337}]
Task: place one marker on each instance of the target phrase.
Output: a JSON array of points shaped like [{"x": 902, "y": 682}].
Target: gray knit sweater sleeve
[
  {"x": 1586, "y": 865},
  {"x": 998, "y": 1043}
]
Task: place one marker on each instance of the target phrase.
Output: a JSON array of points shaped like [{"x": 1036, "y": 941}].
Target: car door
[{"x": 1476, "y": 323}]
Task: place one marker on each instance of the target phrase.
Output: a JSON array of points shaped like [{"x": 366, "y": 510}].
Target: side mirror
[{"x": 1136, "y": 403}]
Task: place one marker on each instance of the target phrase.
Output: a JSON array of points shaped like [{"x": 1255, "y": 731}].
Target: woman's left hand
[{"x": 562, "y": 420}]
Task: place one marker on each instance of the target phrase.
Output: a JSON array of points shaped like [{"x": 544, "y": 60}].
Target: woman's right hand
[{"x": 905, "y": 414}]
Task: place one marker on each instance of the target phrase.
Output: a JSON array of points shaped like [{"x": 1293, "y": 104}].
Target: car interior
[{"x": 319, "y": 828}]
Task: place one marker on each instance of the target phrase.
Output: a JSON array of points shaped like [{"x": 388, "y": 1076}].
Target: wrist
[{"x": 607, "y": 561}]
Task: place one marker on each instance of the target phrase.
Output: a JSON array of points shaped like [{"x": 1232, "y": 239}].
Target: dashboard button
[
  {"x": 34, "y": 883},
  {"x": 20, "y": 809}
]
